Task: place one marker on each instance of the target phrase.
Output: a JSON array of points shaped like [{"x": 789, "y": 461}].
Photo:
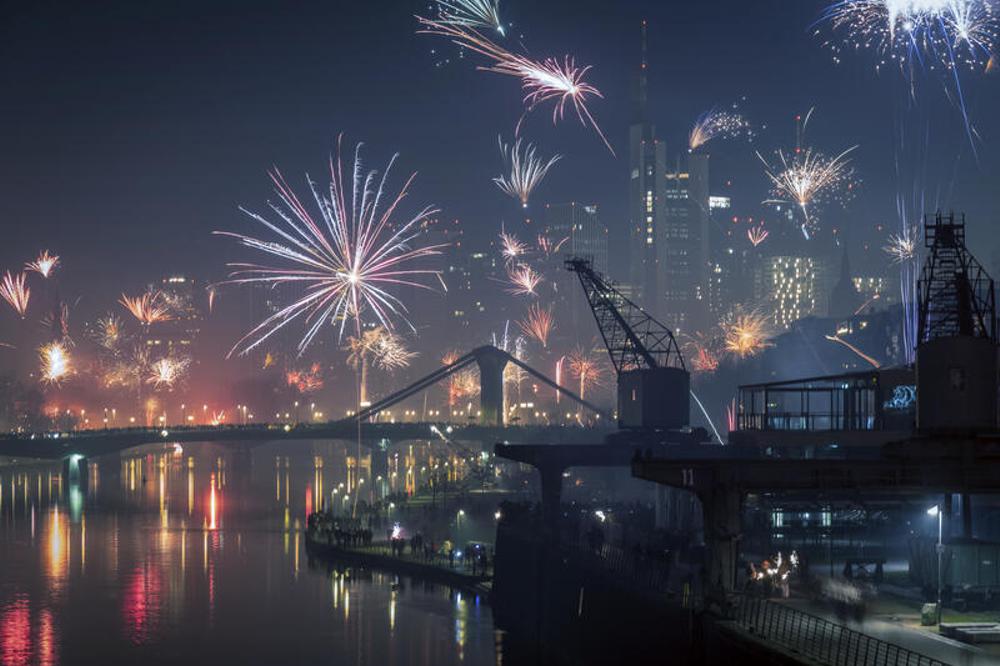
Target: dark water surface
[{"x": 196, "y": 555}]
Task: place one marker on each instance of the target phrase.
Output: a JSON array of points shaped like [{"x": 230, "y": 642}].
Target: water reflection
[{"x": 197, "y": 554}]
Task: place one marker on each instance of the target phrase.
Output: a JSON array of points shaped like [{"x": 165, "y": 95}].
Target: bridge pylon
[{"x": 492, "y": 362}]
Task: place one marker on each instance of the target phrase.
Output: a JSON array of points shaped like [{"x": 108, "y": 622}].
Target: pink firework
[
  {"x": 306, "y": 381},
  {"x": 539, "y": 324},
  {"x": 348, "y": 259},
  {"x": 561, "y": 81},
  {"x": 757, "y": 234},
  {"x": 524, "y": 280},
  {"x": 549, "y": 247},
  {"x": 511, "y": 247},
  {"x": 147, "y": 307},
  {"x": 14, "y": 290}
]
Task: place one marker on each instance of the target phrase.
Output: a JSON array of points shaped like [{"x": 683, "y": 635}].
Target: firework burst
[
  {"x": 378, "y": 347},
  {"x": 809, "y": 179},
  {"x": 168, "y": 371},
  {"x": 148, "y": 308},
  {"x": 715, "y": 124},
  {"x": 56, "y": 362},
  {"x": 510, "y": 247},
  {"x": 58, "y": 323},
  {"x": 757, "y": 235},
  {"x": 746, "y": 333},
  {"x": 527, "y": 170},
  {"x": 471, "y": 14},
  {"x": 524, "y": 280},
  {"x": 586, "y": 371},
  {"x": 127, "y": 369},
  {"x": 704, "y": 352},
  {"x": 932, "y": 33},
  {"x": 108, "y": 332},
  {"x": 549, "y": 80},
  {"x": 539, "y": 324},
  {"x": 306, "y": 381},
  {"x": 382, "y": 347},
  {"x": 902, "y": 248},
  {"x": 15, "y": 290},
  {"x": 347, "y": 261},
  {"x": 44, "y": 264}
]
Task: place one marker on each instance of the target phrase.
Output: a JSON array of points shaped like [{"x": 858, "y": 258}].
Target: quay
[{"x": 379, "y": 555}]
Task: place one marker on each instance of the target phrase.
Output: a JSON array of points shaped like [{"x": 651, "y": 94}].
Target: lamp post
[{"x": 936, "y": 511}]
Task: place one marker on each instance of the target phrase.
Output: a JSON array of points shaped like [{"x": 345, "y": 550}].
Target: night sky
[{"x": 130, "y": 131}]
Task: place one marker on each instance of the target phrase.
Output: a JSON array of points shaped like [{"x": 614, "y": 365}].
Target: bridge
[{"x": 365, "y": 427}]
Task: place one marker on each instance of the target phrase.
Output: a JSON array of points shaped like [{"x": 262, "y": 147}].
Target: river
[{"x": 196, "y": 555}]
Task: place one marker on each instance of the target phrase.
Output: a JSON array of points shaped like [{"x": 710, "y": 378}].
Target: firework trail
[
  {"x": 306, "y": 381},
  {"x": 864, "y": 306},
  {"x": 212, "y": 293},
  {"x": 549, "y": 248},
  {"x": 950, "y": 35},
  {"x": 168, "y": 371},
  {"x": 561, "y": 82},
  {"x": 58, "y": 324},
  {"x": 347, "y": 261},
  {"x": 524, "y": 280},
  {"x": 861, "y": 354},
  {"x": 527, "y": 170},
  {"x": 559, "y": 374},
  {"x": 708, "y": 418},
  {"x": 513, "y": 374},
  {"x": 746, "y": 334},
  {"x": 808, "y": 179},
  {"x": 148, "y": 308},
  {"x": 56, "y": 362},
  {"x": 905, "y": 253},
  {"x": 379, "y": 347},
  {"x": 511, "y": 247},
  {"x": 16, "y": 292},
  {"x": 473, "y": 14},
  {"x": 584, "y": 369},
  {"x": 539, "y": 324},
  {"x": 43, "y": 265},
  {"x": 731, "y": 414},
  {"x": 757, "y": 234},
  {"x": 715, "y": 124}
]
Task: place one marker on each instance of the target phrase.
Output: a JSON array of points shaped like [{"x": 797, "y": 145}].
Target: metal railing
[{"x": 820, "y": 639}]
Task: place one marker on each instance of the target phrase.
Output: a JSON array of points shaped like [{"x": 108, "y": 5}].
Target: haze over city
[{"x": 410, "y": 237}]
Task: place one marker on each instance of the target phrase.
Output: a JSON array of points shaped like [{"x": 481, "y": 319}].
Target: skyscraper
[
  {"x": 575, "y": 229},
  {"x": 684, "y": 252},
  {"x": 578, "y": 229},
  {"x": 647, "y": 194}
]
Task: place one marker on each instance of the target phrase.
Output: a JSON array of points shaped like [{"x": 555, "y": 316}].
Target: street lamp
[{"x": 936, "y": 511}]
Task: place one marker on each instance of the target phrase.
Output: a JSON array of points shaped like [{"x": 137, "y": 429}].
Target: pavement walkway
[{"x": 899, "y": 623}]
